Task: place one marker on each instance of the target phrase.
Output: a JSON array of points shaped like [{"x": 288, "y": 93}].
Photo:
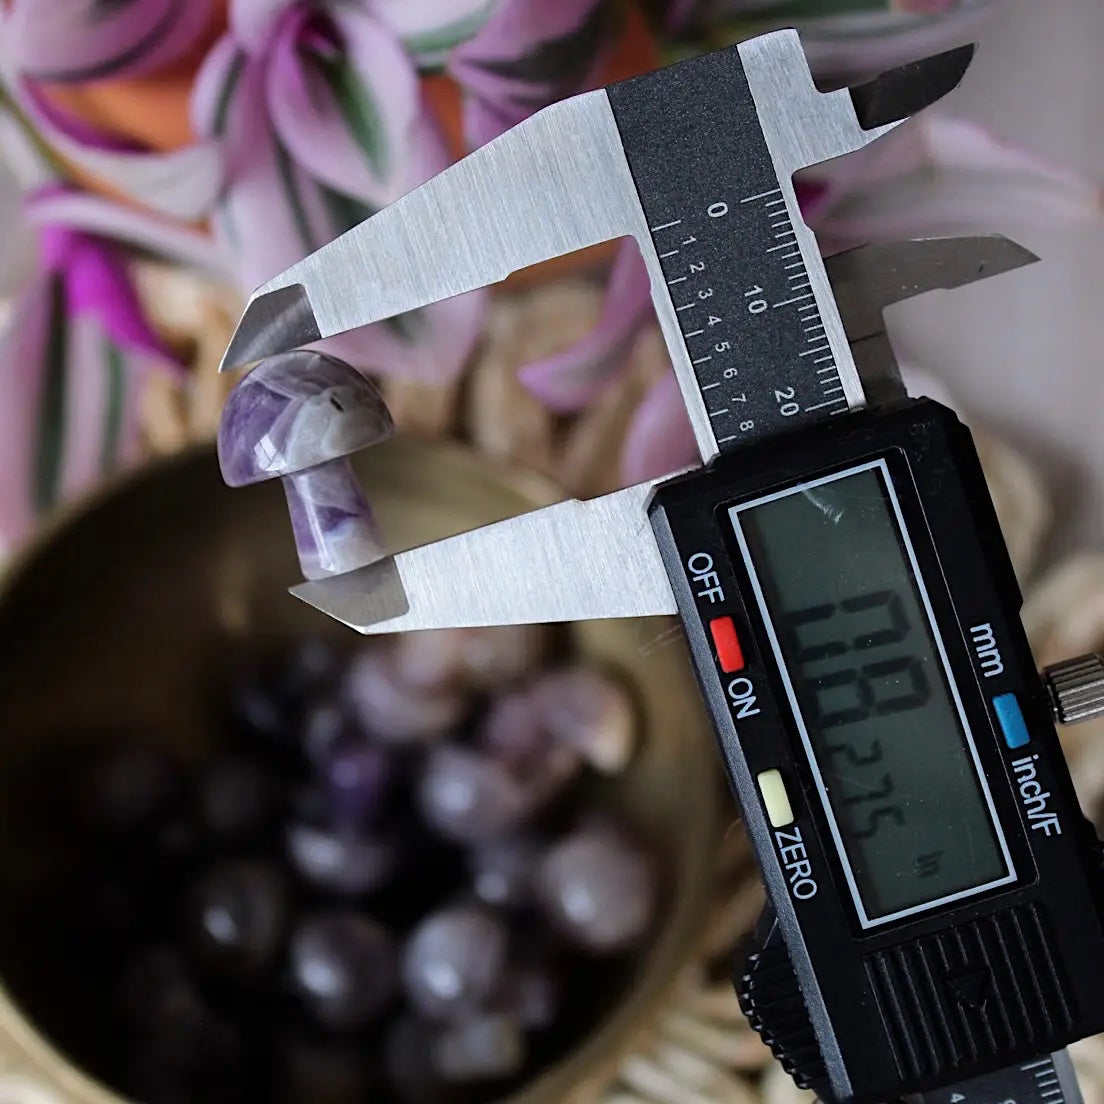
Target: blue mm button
[{"x": 1011, "y": 720}]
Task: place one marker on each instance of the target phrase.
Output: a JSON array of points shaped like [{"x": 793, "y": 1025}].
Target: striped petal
[
  {"x": 531, "y": 53},
  {"x": 103, "y": 388},
  {"x": 343, "y": 95},
  {"x": 429, "y": 29},
  {"x": 253, "y": 22},
  {"x": 271, "y": 213},
  {"x": 659, "y": 439},
  {"x": 484, "y": 120},
  {"x": 104, "y": 218},
  {"x": 216, "y": 85},
  {"x": 18, "y": 251},
  {"x": 570, "y": 380},
  {"x": 89, "y": 40},
  {"x": 275, "y": 211},
  {"x": 97, "y": 285},
  {"x": 68, "y": 399},
  {"x": 181, "y": 183},
  {"x": 943, "y": 175},
  {"x": 26, "y": 356}
]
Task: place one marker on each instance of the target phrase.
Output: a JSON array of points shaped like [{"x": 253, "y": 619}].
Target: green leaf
[
  {"x": 561, "y": 62},
  {"x": 344, "y": 211},
  {"x": 286, "y": 168},
  {"x": 429, "y": 47},
  {"x": 361, "y": 114},
  {"x": 222, "y": 108},
  {"x": 53, "y": 408},
  {"x": 113, "y": 412}
]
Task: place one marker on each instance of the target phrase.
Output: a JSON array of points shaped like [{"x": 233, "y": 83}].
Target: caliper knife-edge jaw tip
[
  {"x": 868, "y": 280},
  {"x": 282, "y": 315}
]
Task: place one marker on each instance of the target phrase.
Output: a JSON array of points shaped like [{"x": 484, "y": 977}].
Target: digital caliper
[{"x": 936, "y": 895}]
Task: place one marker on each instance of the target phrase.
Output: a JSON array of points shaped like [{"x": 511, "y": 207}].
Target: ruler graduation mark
[
  {"x": 761, "y": 195},
  {"x": 742, "y": 259}
]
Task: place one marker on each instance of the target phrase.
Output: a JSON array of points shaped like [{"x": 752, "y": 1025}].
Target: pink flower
[
  {"x": 317, "y": 110},
  {"x": 75, "y": 41},
  {"x": 528, "y": 54},
  {"x": 73, "y": 353}
]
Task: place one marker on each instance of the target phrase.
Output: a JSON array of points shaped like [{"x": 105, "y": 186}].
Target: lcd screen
[{"x": 836, "y": 579}]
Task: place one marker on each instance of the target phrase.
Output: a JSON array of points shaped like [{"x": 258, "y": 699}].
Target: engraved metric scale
[
  {"x": 936, "y": 898},
  {"x": 753, "y": 330}
]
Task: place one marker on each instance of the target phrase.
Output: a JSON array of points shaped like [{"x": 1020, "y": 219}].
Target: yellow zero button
[{"x": 775, "y": 798}]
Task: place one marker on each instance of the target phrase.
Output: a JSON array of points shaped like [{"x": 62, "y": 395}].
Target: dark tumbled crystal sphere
[
  {"x": 236, "y": 914},
  {"x": 343, "y": 967}
]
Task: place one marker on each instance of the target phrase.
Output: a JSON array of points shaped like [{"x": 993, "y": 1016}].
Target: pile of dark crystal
[{"x": 386, "y": 884}]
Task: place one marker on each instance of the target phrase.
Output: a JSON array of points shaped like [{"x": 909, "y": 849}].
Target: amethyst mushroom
[{"x": 298, "y": 416}]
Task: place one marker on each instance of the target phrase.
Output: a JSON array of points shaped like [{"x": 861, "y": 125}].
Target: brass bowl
[{"x": 121, "y": 614}]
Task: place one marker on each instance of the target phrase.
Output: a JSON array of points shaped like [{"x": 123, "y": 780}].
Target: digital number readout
[{"x": 871, "y": 692}]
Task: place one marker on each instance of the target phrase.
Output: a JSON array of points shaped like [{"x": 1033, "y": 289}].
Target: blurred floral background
[
  {"x": 160, "y": 158},
  {"x": 169, "y": 157}
]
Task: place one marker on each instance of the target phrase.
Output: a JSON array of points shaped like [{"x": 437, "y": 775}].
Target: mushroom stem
[{"x": 335, "y": 529}]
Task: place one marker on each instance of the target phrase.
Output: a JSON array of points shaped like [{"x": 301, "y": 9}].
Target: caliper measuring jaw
[
  {"x": 576, "y": 174},
  {"x": 597, "y": 558},
  {"x": 573, "y": 175}
]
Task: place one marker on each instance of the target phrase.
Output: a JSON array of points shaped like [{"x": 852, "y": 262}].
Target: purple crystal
[
  {"x": 236, "y": 916},
  {"x": 531, "y": 993},
  {"x": 296, "y": 411},
  {"x": 586, "y": 710},
  {"x": 357, "y": 777},
  {"x": 406, "y": 1051},
  {"x": 343, "y": 966},
  {"x": 323, "y": 729},
  {"x": 454, "y": 960},
  {"x": 325, "y": 1071},
  {"x": 598, "y": 889},
  {"x": 502, "y": 871},
  {"x": 340, "y": 859},
  {"x": 479, "y": 1047},
  {"x": 236, "y": 800},
  {"x": 480, "y": 658},
  {"x": 298, "y": 416},
  {"x": 470, "y": 797},
  {"x": 333, "y": 525},
  {"x": 512, "y": 733},
  {"x": 383, "y": 704}
]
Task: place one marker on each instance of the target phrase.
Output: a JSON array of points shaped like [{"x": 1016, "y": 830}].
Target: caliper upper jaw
[
  {"x": 867, "y": 280},
  {"x": 555, "y": 183}
]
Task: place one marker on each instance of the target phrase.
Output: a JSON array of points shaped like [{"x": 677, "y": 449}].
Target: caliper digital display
[
  {"x": 935, "y": 893},
  {"x": 867, "y": 677}
]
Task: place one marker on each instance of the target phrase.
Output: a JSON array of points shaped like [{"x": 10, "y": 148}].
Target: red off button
[{"x": 727, "y": 644}]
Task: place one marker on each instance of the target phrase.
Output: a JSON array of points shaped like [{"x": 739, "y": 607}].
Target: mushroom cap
[{"x": 295, "y": 411}]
